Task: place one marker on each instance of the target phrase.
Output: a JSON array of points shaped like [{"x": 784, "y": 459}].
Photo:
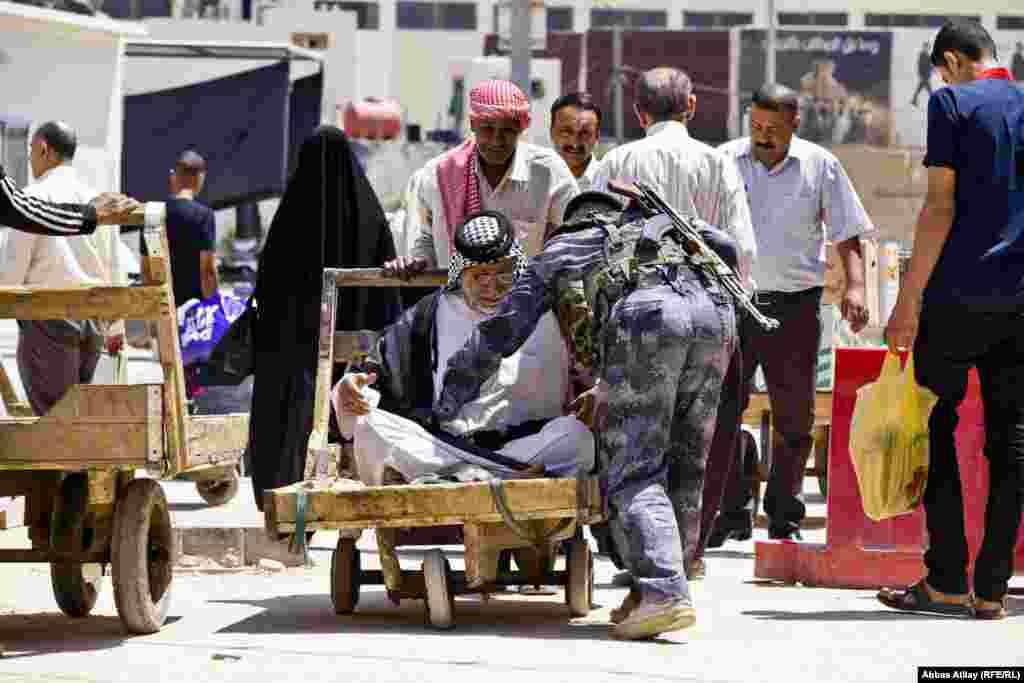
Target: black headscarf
[{"x": 329, "y": 217}]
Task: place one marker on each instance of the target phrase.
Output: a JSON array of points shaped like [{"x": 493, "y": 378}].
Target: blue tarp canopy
[{"x": 247, "y": 126}]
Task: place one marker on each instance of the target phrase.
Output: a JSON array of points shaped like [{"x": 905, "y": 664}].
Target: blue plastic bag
[{"x": 201, "y": 324}]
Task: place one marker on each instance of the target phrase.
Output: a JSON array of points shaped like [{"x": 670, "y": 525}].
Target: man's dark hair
[
  {"x": 777, "y": 97},
  {"x": 581, "y": 100},
  {"x": 190, "y": 164},
  {"x": 965, "y": 36},
  {"x": 59, "y": 137},
  {"x": 663, "y": 93}
]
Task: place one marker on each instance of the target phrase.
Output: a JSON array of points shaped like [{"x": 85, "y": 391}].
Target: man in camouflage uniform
[{"x": 663, "y": 335}]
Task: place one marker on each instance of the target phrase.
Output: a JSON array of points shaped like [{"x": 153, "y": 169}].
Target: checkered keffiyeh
[
  {"x": 497, "y": 99},
  {"x": 457, "y": 173},
  {"x": 484, "y": 237}
]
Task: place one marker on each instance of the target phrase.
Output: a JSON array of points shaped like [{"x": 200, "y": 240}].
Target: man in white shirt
[
  {"x": 493, "y": 170},
  {"x": 693, "y": 177},
  {"x": 575, "y": 132},
  {"x": 54, "y": 354},
  {"x": 799, "y": 196},
  {"x": 699, "y": 181}
]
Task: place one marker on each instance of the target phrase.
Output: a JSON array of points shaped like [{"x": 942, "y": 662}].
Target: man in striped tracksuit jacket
[{"x": 28, "y": 214}]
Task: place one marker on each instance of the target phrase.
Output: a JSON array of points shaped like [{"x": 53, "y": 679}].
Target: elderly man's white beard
[{"x": 474, "y": 304}]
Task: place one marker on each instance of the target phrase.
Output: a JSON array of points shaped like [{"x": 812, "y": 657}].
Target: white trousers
[{"x": 382, "y": 440}]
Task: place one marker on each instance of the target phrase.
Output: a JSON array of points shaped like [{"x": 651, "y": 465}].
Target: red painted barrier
[{"x": 858, "y": 552}]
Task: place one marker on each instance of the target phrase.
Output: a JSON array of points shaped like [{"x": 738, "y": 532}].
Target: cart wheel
[
  {"x": 142, "y": 553},
  {"x": 76, "y": 587},
  {"x": 440, "y": 608},
  {"x": 219, "y": 491},
  {"x": 345, "y": 576},
  {"x": 579, "y": 584}
]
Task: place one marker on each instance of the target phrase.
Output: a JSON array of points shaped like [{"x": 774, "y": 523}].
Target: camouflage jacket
[{"x": 561, "y": 276}]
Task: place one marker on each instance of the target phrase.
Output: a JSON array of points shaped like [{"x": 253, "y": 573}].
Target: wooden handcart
[
  {"x": 76, "y": 465},
  {"x": 528, "y": 516}
]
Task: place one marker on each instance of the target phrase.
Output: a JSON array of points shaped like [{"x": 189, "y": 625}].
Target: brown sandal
[
  {"x": 916, "y": 599},
  {"x": 991, "y": 610}
]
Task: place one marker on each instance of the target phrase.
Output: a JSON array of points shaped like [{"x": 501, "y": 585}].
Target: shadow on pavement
[
  {"x": 508, "y": 614},
  {"x": 187, "y": 507},
  {"x": 731, "y": 554},
  {"x": 32, "y": 635},
  {"x": 883, "y": 614}
]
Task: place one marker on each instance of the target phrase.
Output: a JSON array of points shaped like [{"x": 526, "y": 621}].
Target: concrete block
[
  {"x": 226, "y": 547},
  {"x": 259, "y": 547}
]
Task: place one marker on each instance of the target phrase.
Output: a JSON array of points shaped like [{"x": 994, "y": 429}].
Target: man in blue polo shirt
[{"x": 961, "y": 306}]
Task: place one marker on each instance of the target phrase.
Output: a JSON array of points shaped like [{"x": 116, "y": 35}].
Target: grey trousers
[
  {"x": 49, "y": 365},
  {"x": 666, "y": 352}
]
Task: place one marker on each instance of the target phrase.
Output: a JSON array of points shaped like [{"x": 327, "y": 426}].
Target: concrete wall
[
  {"x": 420, "y": 57},
  {"x": 68, "y": 69}
]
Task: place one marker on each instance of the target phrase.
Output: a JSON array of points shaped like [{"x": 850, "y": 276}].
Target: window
[
  {"x": 559, "y": 19},
  {"x": 367, "y": 13},
  {"x": 441, "y": 16},
  {"x": 911, "y": 20},
  {"x": 813, "y": 18},
  {"x": 1007, "y": 23},
  {"x": 607, "y": 18},
  {"x": 717, "y": 19}
]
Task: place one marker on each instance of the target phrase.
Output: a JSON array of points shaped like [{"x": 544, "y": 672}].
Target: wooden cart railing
[{"x": 76, "y": 464}]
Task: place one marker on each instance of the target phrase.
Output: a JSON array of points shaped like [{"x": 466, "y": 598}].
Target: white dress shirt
[
  {"x": 693, "y": 177},
  {"x": 533, "y": 195},
  {"x": 56, "y": 262},
  {"x": 586, "y": 181},
  {"x": 795, "y": 205}
]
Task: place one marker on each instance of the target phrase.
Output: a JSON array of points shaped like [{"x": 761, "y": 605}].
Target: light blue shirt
[{"x": 795, "y": 207}]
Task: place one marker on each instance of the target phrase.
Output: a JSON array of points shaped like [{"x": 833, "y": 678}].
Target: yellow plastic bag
[{"x": 889, "y": 440}]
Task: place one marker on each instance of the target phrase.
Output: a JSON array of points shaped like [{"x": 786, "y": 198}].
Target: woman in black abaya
[{"x": 329, "y": 217}]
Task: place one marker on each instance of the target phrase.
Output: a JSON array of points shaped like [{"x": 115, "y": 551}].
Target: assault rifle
[{"x": 701, "y": 255}]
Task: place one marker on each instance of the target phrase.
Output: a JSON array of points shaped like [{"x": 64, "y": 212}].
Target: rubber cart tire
[
  {"x": 75, "y": 587},
  {"x": 219, "y": 491},
  {"x": 579, "y": 582},
  {"x": 345, "y": 576},
  {"x": 436, "y": 578},
  {"x": 142, "y": 556}
]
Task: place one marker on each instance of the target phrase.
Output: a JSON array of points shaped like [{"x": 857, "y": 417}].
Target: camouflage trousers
[{"x": 666, "y": 351}]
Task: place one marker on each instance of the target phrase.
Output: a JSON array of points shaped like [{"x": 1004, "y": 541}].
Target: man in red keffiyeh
[{"x": 492, "y": 170}]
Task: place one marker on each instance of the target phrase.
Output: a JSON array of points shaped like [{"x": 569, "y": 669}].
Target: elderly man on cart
[
  {"x": 664, "y": 329},
  {"x": 515, "y": 427}
]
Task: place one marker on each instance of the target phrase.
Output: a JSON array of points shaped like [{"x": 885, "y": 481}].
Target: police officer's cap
[{"x": 593, "y": 201}]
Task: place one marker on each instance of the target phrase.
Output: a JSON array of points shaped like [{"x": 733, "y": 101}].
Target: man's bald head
[{"x": 664, "y": 94}]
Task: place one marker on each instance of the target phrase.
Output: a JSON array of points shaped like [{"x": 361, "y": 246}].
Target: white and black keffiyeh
[{"x": 484, "y": 237}]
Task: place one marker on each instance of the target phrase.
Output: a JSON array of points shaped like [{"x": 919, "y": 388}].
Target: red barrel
[{"x": 373, "y": 119}]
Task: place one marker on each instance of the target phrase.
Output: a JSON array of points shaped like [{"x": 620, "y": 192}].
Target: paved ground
[{"x": 269, "y": 627}]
